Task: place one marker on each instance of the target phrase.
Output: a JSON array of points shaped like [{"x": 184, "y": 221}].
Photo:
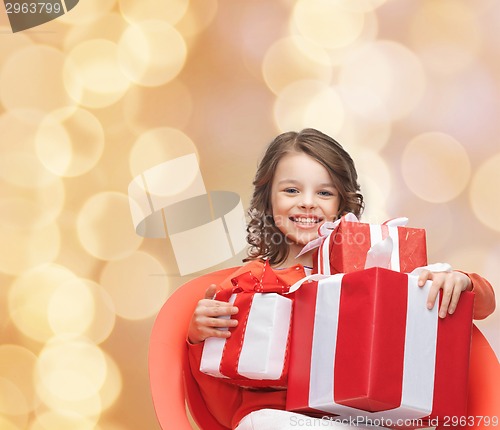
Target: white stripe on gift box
[
  {"x": 262, "y": 356},
  {"x": 395, "y": 261},
  {"x": 419, "y": 359}
]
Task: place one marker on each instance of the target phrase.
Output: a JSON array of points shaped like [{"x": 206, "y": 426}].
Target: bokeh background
[{"x": 93, "y": 99}]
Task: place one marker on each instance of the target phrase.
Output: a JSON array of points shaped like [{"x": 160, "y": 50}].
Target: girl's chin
[{"x": 304, "y": 239}]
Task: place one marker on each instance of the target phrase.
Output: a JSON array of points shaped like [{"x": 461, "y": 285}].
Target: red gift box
[
  {"x": 256, "y": 353},
  {"x": 345, "y": 249},
  {"x": 364, "y": 344}
]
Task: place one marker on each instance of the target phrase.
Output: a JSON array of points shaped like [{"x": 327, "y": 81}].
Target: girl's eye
[
  {"x": 291, "y": 190},
  {"x": 325, "y": 193}
]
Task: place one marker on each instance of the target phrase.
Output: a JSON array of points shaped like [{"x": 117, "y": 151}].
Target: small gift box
[
  {"x": 345, "y": 246},
  {"x": 256, "y": 353},
  {"x": 365, "y": 345}
]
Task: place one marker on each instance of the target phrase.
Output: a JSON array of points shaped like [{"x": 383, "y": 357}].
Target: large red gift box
[
  {"x": 345, "y": 249},
  {"x": 256, "y": 353},
  {"x": 365, "y": 344}
]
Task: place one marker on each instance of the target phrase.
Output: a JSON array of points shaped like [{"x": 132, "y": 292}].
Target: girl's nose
[{"x": 307, "y": 201}]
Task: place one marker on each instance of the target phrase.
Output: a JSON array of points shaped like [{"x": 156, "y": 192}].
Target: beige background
[{"x": 93, "y": 99}]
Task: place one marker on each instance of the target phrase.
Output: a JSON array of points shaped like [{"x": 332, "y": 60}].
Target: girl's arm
[{"x": 484, "y": 301}]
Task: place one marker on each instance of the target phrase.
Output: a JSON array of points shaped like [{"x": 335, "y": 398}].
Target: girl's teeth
[{"x": 306, "y": 220}]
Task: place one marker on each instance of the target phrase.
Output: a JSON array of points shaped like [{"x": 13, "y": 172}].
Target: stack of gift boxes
[{"x": 360, "y": 343}]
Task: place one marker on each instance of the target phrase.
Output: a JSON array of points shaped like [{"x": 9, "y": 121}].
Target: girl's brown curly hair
[{"x": 265, "y": 239}]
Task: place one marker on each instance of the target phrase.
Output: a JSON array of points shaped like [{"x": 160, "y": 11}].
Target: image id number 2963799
[{"x": 33, "y": 8}]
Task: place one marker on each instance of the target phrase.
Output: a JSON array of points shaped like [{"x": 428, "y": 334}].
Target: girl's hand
[
  {"x": 204, "y": 322},
  {"x": 452, "y": 284}
]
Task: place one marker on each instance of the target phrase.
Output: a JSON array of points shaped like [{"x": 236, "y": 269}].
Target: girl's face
[{"x": 303, "y": 197}]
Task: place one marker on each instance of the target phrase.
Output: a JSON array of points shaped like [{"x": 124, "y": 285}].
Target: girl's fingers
[
  {"x": 221, "y": 322},
  {"x": 210, "y": 292},
  {"x": 424, "y": 276},
  {"x": 447, "y": 286}
]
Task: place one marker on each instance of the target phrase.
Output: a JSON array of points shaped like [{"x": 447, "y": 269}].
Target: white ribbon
[{"x": 419, "y": 358}]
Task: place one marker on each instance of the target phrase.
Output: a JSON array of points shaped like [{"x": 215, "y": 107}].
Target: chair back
[{"x": 172, "y": 384}]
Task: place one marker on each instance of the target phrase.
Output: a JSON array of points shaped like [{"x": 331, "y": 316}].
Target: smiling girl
[{"x": 303, "y": 180}]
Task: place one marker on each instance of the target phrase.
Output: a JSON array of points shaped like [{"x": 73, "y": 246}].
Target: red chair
[
  {"x": 484, "y": 383},
  {"x": 170, "y": 378},
  {"x": 172, "y": 384}
]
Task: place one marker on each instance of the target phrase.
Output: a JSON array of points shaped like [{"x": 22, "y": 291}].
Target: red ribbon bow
[{"x": 247, "y": 282}]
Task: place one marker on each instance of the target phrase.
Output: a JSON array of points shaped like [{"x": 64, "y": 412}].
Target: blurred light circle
[
  {"x": 113, "y": 384},
  {"x": 104, "y": 226},
  {"x": 88, "y": 12},
  {"x": 29, "y": 298},
  {"x": 25, "y": 248},
  {"x": 363, "y": 103},
  {"x": 109, "y": 27},
  {"x": 89, "y": 407},
  {"x": 17, "y": 366},
  {"x": 447, "y": 106},
  {"x": 57, "y": 419},
  {"x": 71, "y": 308},
  {"x": 387, "y": 70},
  {"x": 12, "y": 400},
  {"x": 92, "y": 75},
  {"x": 446, "y": 29},
  {"x": 171, "y": 11},
  {"x": 6, "y": 424},
  {"x": 325, "y": 111},
  {"x": 366, "y": 121},
  {"x": 361, "y": 131},
  {"x": 18, "y": 163},
  {"x": 157, "y": 145},
  {"x": 292, "y": 102},
  {"x": 25, "y": 170},
  {"x": 308, "y": 103},
  {"x": 376, "y": 205},
  {"x": 71, "y": 369},
  {"x": 327, "y": 23},
  {"x": 198, "y": 17},
  {"x": 110, "y": 425},
  {"x": 368, "y": 35},
  {"x": 375, "y": 179},
  {"x": 70, "y": 142},
  {"x": 484, "y": 196},
  {"x": 30, "y": 208},
  {"x": 435, "y": 167},
  {"x": 12, "y": 44},
  {"x": 104, "y": 317},
  {"x": 137, "y": 284},
  {"x": 293, "y": 59},
  {"x": 370, "y": 164},
  {"x": 151, "y": 53},
  {"x": 32, "y": 78},
  {"x": 146, "y": 108},
  {"x": 358, "y": 5}
]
